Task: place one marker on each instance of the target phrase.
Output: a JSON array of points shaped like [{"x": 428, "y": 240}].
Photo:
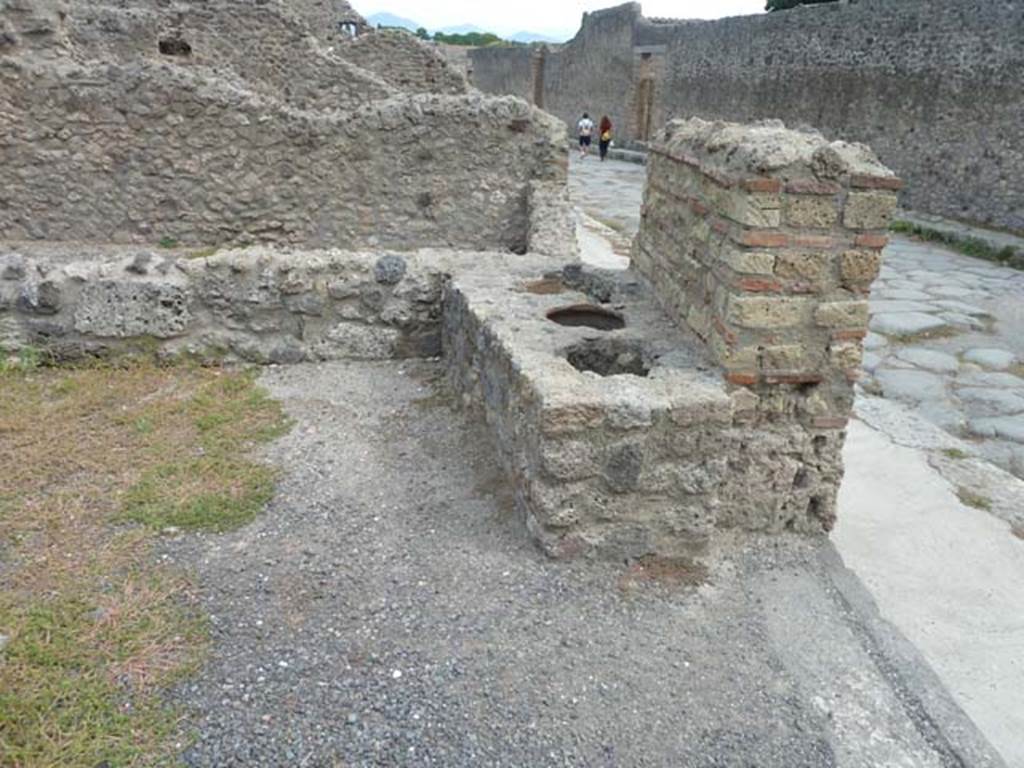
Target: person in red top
[{"x": 605, "y": 137}]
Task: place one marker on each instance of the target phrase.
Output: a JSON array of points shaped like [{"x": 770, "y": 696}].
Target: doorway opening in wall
[{"x": 644, "y": 108}]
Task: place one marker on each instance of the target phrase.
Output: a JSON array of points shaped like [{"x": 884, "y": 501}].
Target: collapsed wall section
[
  {"x": 259, "y": 48},
  {"x": 402, "y": 61},
  {"x": 764, "y": 242}
]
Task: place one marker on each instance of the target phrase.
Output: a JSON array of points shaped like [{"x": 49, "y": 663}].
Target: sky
[{"x": 560, "y": 17}]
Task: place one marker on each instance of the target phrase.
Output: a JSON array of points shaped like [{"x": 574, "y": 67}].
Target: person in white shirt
[{"x": 585, "y": 129}]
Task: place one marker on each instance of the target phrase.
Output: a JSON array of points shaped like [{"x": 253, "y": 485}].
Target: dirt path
[{"x": 389, "y": 609}]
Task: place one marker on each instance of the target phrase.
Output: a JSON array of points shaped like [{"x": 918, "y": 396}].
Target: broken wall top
[{"x": 767, "y": 148}]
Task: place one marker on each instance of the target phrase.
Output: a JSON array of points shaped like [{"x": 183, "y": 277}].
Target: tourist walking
[
  {"x": 585, "y": 129},
  {"x": 605, "y": 137}
]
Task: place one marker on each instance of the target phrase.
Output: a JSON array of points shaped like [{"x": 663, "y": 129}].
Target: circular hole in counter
[
  {"x": 587, "y": 316},
  {"x": 610, "y": 357}
]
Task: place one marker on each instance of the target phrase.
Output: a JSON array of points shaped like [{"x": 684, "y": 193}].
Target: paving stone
[
  {"x": 903, "y": 285},
  {"x": 912, "y": 385},
  {"x": 954, "y": 291},
  {"x": 958, "y": 320},
  {"x": 1007, "y": 427},
  {"x": 875, "y": 341},
  {"x": 906, "y": 323},
  {"x": 985, "y": 379},
  {"x": 943, "y": 414},
  {"x": 993, "y": 359},
  {"x": 964, "y": 309},
  {"x": 1004, "y": 453},
  {"x": 884, "y": 306},
  {"x": 1002, "y": 402},
  {"x": 929, "y": 359},
  {"x": 901, "y": 294}
]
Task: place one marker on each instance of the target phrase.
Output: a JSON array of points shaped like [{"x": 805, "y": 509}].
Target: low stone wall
[
  {"x": 765, "y": 242},
  {"x": 257, "y": 305}
]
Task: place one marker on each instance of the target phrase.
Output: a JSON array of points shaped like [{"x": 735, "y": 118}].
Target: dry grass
[
  {"x": 910, "y": 339},
  {"x": 956, "y": 454},
  {"x": 96, "y": 625}
]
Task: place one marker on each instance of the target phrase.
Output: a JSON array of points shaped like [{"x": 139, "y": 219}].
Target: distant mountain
[
  {"x": 533, "y": 37},
  {"x": 385, "y": 19},
  {"x": 390, "y": 20}
]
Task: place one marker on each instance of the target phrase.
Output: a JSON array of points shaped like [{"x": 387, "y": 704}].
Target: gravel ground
[{"x": 389, "y": 610}]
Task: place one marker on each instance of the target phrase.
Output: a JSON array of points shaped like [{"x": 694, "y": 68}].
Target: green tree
[
  {"x": 422, "y": 34},
  {"x": 474, "y": 39},
  {"x": 781, "y": 5}
]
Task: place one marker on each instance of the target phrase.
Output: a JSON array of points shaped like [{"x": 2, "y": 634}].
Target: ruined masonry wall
[
  {"x": 259, "y": 305},
  {"x": 280, "y": 58},
  {"x": 144, "y": 152},
  {"x": 933, "y": 86},
  {"x": 403, "y": 61},
  {"x": 764, "y": 242}
]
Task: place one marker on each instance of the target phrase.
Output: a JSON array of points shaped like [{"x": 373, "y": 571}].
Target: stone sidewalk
[{"x": 948, "y": 330}]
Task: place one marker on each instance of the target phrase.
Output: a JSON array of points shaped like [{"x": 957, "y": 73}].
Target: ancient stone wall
[
  {"x": 497, "y": 69},
  {"x": 147, "y": 152},
  {"x": 931, "y": 85},
  {"x": 764, "y": 242},
  {"x": 106, "y": 134},
  {"x": 278, "y": 56},
  {"x": 260, "y": 304}
]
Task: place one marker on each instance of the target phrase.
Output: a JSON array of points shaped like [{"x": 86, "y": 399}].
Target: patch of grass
[
  {"x": 946, "y": 332},
  {"x": 167, "y": 242},
  {"x": 972, "y": 499},
  {"x": 956, "y": 453},
  {"x": 208, "y": 493},
  {"x": 969, "y": 246},
  {"x": 97, "y": 625},
  {"x": 22, "y": 361},
  {"x": 612, "y": 224}
]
